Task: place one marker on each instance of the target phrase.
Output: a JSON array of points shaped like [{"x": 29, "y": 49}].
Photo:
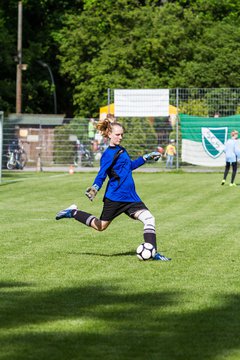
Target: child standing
[{"x": 170, "y": 153}]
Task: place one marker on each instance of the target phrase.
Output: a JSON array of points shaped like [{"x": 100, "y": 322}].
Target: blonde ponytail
[{"x": 105, "y": 126}]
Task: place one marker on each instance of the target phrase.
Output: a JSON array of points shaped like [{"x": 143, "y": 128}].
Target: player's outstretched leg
[
  {"x": 66, "y": 213},
  {"x": 83, "y": 217}
]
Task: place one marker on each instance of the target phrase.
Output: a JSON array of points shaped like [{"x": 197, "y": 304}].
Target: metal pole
[
  {"x": 53, "y": 83},
  {"x": 54, "y": 89},
  {"x": 177, "y": 130},
  {"x": 19, "y": 65},
  {"x": 39, "y": 148},
  {"x": 109, "y": 99},
  {"x": 1, "y": 143}
]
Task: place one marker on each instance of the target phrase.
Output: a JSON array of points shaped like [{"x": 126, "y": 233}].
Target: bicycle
[{"x": 17, "y": 157}]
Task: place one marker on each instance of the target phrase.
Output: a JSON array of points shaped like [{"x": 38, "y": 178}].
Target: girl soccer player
[{"x": 120, "y": 195}]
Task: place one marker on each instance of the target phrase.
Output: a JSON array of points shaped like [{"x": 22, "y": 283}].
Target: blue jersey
[
  {"x": 232, "y": 150},
  {"x": 119, "y": 169}
]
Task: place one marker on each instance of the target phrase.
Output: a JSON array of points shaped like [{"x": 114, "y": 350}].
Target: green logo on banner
[{"x": 213, "y": 140}]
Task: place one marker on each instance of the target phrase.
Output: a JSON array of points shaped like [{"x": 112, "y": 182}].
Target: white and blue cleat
[
  {"x": 66, "y": 213},
  {"x": 160, "y": 257}
]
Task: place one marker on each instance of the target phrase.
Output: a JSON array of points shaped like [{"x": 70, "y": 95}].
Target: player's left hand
[
  {"x": 91, "y": 192},
  {"x": 155, "y": 155}
]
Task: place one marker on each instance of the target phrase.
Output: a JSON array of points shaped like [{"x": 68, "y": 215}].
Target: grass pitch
[{"x": 68, "y": 292}]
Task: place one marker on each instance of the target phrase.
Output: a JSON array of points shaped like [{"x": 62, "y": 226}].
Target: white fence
[
  {"x": 69, "y": 141},
  {"x": 73, "y": 144}
]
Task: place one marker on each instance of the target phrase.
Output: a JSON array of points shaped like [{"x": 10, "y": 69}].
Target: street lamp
[{"x": 45, "y": 65}]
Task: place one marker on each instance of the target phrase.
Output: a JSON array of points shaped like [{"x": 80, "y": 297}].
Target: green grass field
[{"x": 68, "y": 292}]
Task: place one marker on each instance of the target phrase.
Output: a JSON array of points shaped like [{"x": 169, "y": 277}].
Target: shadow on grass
[
  {"x": 101, "y": 322},
  {"x": 11, "y": 284},
  {"x": 127, "y": 253}
]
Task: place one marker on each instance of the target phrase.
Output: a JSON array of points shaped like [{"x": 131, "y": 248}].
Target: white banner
[
  {"x": 141, "y": 103},
  {"x": 194, "y": 153},
  {"x": 204, "y": 138}
]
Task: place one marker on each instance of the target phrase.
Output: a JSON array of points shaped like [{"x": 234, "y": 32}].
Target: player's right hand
[{"x": 91, "y": 192}]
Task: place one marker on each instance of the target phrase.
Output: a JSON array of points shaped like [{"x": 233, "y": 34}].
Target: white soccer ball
[{"x": 145, "y": 251}]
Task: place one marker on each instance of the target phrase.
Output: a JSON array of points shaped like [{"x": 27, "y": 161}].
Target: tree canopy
[{"x": 93, "y": 45}]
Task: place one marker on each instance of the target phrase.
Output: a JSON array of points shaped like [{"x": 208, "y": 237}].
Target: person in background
[
  {"x": 91, "y": 129},
  {"x": 170, "y": 152},
  {"x": 232, "y": 153},
  {"x": 120, "y": 194}
]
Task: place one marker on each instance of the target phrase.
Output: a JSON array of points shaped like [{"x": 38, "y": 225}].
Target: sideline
[{"x": 5, "y": 182}]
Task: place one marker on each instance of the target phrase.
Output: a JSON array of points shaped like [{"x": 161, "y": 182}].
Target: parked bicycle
[
  {"x": 16, "y": 155},
  {"x": 83, "y": 156}
]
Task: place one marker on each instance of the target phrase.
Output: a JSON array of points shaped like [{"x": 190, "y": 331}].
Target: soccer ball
[{"x": 145, "y": 251}]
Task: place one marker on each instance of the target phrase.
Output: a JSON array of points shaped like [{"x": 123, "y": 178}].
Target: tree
[
  {"x": 40, "y": 18},
  {"x": 7, "y": 86},
  {"x": 215, "y": 65},
  {"x": 125, "y": 50},
  {"x": 93, "y": 45}
]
